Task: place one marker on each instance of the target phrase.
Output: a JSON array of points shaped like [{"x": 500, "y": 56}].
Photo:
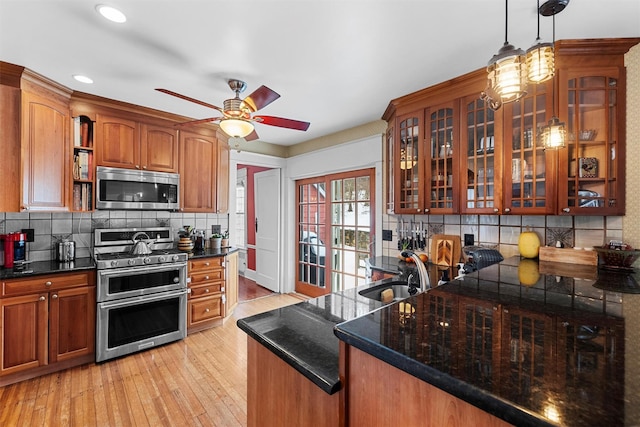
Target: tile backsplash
[
  {"x": 49, "y": 228},
  {"x": 502, "y": 232}
]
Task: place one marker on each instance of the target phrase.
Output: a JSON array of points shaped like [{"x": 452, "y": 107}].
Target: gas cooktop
[{"x": 126, "y": 259}]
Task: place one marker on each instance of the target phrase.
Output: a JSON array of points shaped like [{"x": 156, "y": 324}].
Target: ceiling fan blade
[
  {"x": 197, "y": 122},
  {"x": 260, "y": 98},
  {"x": 186, "y": 98},
  {"x": 282, "y": 122},
  {"x": 252, "y": 136}
]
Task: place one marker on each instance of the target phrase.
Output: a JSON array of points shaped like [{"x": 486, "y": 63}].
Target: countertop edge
[
  {"x": 329, "y": 387},
  {"x": 209, "y": 253},
  {"x": 489, "y": 403}
]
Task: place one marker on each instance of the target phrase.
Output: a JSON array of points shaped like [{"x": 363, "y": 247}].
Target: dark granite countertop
[
  {"x": 556, "y": 351},
  {"x": 212, "y": 252},
  {"x": 302, "y": 334},
  {"x": 35, "y": 268}
]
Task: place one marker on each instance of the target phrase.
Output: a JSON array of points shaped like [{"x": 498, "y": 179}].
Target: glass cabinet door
[
  {"x": 528, "y": 176},
  {"x": 481, "y": 159},
  {"x": 442, "y": 197},
  {"x": 409, "y": 169},
  {"x": 390, "y": 163},
  {"x": 591, "y": 165}
]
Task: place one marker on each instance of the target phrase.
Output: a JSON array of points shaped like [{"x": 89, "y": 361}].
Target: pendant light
[
  {"x": 507, "y": 73},
  {"x": 554, "y": 135},
  {"x": 540, "y": 60}
]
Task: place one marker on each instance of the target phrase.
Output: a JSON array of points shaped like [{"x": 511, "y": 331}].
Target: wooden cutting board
[{"x": 445, "y": 249}]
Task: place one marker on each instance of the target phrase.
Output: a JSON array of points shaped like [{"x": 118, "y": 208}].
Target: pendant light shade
[
  {"x": 236, "y": 127},
  {"x": 507, "y": 73},
  {"x": 540, "y": 63},
  {"x": 554, "y": 134},
  {"x": 540, "y": 59}
]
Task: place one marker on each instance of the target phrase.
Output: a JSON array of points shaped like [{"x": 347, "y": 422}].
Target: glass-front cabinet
[
  {"x": 590, "y": 165},
  {"x": 529, "y": 172},
  {"x": 442, "y": 176},
  {"x": 409, "y": 165},
  {"x": 481, "y": 159}
]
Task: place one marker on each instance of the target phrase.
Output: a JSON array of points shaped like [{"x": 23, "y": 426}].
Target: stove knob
[
  {"x": 114, "y": 263},
  {"x": 176, "y": 257},
  {"x": 131, "y": 261},
  {"x": 161, "y": 258},
  {"x": 147, "y": 260}
]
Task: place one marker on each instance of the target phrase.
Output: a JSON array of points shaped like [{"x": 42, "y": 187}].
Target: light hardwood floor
[{"x": 199, "y": 381}]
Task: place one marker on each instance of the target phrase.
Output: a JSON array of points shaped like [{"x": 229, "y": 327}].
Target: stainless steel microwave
[{"x": 132, "y": 189}]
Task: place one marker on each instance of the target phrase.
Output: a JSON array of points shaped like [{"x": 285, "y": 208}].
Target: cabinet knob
[
  {"x": 566, "y": 210},
  {"x": 206, "y": 291},
  {"x": 427, "y": 210},
  {"x": 206, "y": 310},
  {"x": 144, "y": 167},
  {"x": 54, "y": 296},
  {"x": 507, "y": 210},
  {"x": 496, "y": 210},
  {"x": 42, "y": 298},
  {"x": 48, "y": 283},
  {"x": 137, "y": 166},
  {"x": 206, "y": 277},
  {"x": 206, "y": 263},
  {"x": 25, "y": 208},
  {"x": 418, "y": 210}
]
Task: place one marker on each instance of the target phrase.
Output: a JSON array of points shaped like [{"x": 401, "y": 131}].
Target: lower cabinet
[
  {"x": 213, "y": 284},
  {"x": 48, "y": 324}
]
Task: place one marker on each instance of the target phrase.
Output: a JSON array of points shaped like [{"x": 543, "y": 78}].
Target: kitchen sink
[{"x": 400, "y": 291}]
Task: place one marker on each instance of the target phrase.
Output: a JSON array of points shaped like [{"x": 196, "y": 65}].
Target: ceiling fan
[{"x": 236, "y": 120}]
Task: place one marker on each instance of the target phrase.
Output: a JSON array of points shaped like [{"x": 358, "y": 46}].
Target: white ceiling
[{"x": 337, "y": 64}]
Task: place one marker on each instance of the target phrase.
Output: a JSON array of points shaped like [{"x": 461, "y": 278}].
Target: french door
[{"x": 335, "y": 219}]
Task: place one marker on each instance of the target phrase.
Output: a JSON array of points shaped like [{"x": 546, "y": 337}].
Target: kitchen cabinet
[
  {"x": 83, "y": 172},
  {"x": 35, "y": 135},
  {"x": 134, "y": 144},
  {"x": 451, "y": 153},
  {"x": 213, "y": 284},
  {"x": 592, "y": 95},
  {"x": 48, "y": 324},
  {"x": 204, "y": 172}
]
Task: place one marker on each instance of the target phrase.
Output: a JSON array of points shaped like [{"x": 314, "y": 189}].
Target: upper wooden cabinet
[
  {"x": 130, "y": 144},
  {"x": 449, "y": 153},
  {"x": 204, "y": 172},
  {"x": 35, "y": 129}
]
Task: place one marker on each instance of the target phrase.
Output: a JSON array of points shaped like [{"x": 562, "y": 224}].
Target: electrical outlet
[
  {"x": 216, "y": 229},
  {"x": 387, "y": 235},
  {"x": 469, "y": 240}
]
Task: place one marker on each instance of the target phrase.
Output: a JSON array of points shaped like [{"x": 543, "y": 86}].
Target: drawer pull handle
[
  {"x": 48, "y": 283},
  {"x": 206, "y": 310},
  {"x": 42, "y": 298}
]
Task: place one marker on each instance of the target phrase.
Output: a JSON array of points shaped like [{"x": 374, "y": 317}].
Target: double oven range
[{"x": 141, "y": 299}]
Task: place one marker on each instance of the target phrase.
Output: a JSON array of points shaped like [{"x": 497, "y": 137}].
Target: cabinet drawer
[
  {"x": 44, "y": 283},
  {"x": 205, "y": 309},
  {"x": 206, "y": 264},
  {"x": 205, "y": 290},
  {"x": 209, "y": 276}
]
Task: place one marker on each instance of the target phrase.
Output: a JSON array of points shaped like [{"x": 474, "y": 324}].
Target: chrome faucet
[{"x": 425, "y": 283}]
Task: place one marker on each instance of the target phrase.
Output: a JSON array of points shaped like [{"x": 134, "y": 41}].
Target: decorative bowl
[{"x": 617, "y": 258}]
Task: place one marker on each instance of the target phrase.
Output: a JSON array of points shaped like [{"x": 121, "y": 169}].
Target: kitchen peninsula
[{"x": 484, "y": 350}]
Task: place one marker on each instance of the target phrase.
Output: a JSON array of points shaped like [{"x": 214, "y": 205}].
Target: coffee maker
[{"x": 15, "y": 248}]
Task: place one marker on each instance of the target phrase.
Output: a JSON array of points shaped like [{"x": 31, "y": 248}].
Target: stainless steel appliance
[
  {"x": 132, "y": 189},
  {"x": 66, "y": 251},
  {"x": 141, "y": 299}
]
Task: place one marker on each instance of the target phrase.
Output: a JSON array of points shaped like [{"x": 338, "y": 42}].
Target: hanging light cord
[
  {"x": 538, "y": 13},
  {"x": 506, "y": 21},
  {"x": 553, "y": 88}
]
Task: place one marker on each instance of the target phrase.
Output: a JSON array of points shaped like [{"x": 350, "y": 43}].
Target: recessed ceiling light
[
  {"x": 82, "y": 79},
  {"x": 111, "y": 13}
]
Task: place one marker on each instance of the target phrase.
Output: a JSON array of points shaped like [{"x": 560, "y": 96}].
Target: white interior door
[{"x": 267, "y": 205}]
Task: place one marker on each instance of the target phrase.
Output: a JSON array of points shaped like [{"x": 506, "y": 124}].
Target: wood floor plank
[{"x": 199, "y": 381}]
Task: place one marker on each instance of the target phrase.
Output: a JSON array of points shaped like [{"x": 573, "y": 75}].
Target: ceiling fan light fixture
[
  {"x": 554, "y": 134},
  {"x": 237, "y": 128}
]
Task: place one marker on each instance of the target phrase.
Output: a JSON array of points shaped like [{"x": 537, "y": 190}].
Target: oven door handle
[
  {"x": 144, "y": 299},
  {"x": 140, "y": 269}
]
